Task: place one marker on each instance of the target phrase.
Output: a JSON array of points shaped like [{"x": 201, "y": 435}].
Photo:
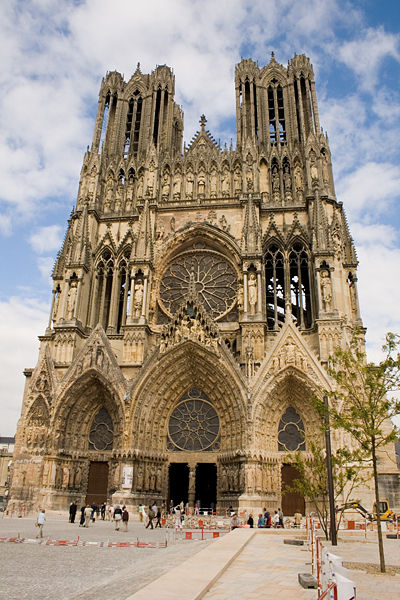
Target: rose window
[
  {"x": 193, "y": 424},
  {"x": 210, "y": 274}
]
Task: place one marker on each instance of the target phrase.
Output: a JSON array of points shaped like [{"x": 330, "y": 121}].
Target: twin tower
[{"x": 197, "y": 296}]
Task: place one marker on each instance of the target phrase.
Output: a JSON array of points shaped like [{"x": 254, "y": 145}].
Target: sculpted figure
[
  {"x": 138, "y": 298},
  {"x": 225, "y": 182},
  {"x": 275, "y": 180},
  {"x": 71, "y": 299},
  {"x": 166, "y": 186},
  {"x": 287, "y": 181},
  {"x": 326, "y": 290},
  {"x": 57, "y": 296},
  {"x": 189, "y": 184},
  {"x": 213, "y": 184},
  {"x": 237, "y": 180},
  {"x": 201, "y": 185},
  {"x": 140, "y": 186},
  {"x": 252, "y": 291},
  {"x": 177, "y": 186}
]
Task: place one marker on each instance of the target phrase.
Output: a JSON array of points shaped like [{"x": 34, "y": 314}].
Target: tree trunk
[{"x": 378, "y": 516}]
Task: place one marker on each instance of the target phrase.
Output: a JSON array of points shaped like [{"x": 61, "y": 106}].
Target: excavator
[{"x": 384, "y": 510}]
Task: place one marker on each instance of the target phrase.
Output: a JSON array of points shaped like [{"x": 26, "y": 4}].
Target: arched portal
[
  {"x": 87, "y": 433},
  {"x": 284, "y": 420},
  {"x": 188, "y": 413}
]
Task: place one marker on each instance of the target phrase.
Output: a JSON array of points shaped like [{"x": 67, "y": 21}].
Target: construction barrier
[{"x": 328, "y": 568}]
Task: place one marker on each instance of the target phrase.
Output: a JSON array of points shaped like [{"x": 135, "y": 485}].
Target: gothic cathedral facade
[{"x": 197, "y": 296}]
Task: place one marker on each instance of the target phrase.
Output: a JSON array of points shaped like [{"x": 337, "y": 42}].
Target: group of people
[
  {"x": 148, "y": 515},
  {"x": 265, "y": 519},
  {"x": 89, "y": 513}
]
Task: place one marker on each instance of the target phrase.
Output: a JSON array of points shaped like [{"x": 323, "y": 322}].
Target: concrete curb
[{"x": 192, "y": 579}]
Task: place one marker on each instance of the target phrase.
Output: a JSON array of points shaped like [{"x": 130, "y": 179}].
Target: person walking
[
  {"x": 103, "y": 511},
  {"x": 88, "y": 515},
  {"x": 276, "y": 520},
  {"x": 72, "y": 512},
  {"x": 158, "y": 516},
  {"x": 280, "y": 513},
  {"x": 125, "y": 518},
  {"x": 117, "y": 516},
  {"x": 151, "y": 516},
  {"x": 41, "y": 520},
  {"x": 178, "y": 514},
  {"x": 250, "y": 521},
  {"x": 82, "y": 520}
]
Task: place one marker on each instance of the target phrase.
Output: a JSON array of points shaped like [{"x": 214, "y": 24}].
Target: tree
[
  {"x": 312, "y": 482},
  {"x": 363, "y": 402}
]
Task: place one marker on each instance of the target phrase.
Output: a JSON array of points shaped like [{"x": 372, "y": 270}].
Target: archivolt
[
  {"x": 186, "y": 366},
  {"x": 78, "y": 406},
  {"x": 291, "y": 388}
]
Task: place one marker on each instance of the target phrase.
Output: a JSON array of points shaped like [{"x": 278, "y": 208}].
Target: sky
[{"x": 53, "y": 56}]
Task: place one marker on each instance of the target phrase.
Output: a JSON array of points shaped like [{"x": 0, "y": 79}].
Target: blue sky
[{"x": 54, "y": 54}]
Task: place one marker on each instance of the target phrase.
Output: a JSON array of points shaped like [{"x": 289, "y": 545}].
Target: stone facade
[{"x": 197, "y": 296}]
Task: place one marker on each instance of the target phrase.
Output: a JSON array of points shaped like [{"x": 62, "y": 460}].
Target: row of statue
[{"x": 278, "y": 180}]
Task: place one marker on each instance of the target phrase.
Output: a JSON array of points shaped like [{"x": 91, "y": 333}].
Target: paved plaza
[{"x": 244, "y": 564}]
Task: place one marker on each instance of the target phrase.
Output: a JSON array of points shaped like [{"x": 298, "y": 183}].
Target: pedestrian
[
  {"x": 261, "y": 521},
  {"x": 88, "y": 515},
  {"x": 41, "y": 520},
  {"x": 276, "y": 520},
  {"x": 125, "y": 518},
  {"x": 141, "y": 507},
  {"x": 297, "y": 519},
  {"x": 235, "y": 523},
  {"x": 280, "y": 513},
  {"x": 250, "y": 521},
  {"x": 103, "y": 511},
  {"x": 154, "y": 507},
  {"x": 109, "y": 513},
  {"x": 158, "y": 516},
  {"x": 178, "y": 520},
  {"x": 94, "y": 512},
  {"x": 82, "y": 521},
  {"x": 117, "y": 516},
  {"x": 72, "y": 512},
  {"x": 196, "y": 509},
  {"x": 151, "y": 515}
]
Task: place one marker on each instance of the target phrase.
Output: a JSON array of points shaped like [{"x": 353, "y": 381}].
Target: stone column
[
  {"x": 192, "y": 485},
  {"x": 245, "y": 292},
  {"x": 259, "y": 304}
]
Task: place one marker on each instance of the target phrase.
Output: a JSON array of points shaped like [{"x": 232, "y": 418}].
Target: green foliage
[
  {"x": 363, "y": 401},
  {"x": 312, "y": 483}
]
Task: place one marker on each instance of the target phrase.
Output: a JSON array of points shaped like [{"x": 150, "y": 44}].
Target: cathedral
[{"x": 197, "y": 296}]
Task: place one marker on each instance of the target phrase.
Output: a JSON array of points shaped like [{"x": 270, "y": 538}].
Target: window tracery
[
  {"x": 101, "y": 436},
  {"x": 193, "y": 424},
  {"x": 291, "y": 432},
  {"x": 211, "y": 275},
  {"x": 288, "y": 283}
]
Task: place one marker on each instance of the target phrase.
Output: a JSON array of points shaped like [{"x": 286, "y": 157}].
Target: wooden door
[
  {"x": 291, "y": 501},
  {"x": 97, "y": 483}
]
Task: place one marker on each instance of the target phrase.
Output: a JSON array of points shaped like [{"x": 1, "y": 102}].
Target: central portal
[
  {"x": 178, "y": 482},
  {"x": 206, "y": 485}
]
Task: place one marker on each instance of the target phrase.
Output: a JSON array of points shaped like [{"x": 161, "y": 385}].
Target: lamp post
[{"x": 332, "y": 529}]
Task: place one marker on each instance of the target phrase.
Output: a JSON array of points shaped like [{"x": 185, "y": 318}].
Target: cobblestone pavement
[{"x": 33, "y": 571}]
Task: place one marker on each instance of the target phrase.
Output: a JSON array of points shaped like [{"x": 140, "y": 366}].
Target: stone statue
[
  {"x": 201, "y": 185},
  {"x": 65, "y": 477},
  {"x": 189, "y": 184},
  {"x": 73, "y": 287},
  {"x": 213, "y": 184},
  {"x": 138, "y": 298},
  {"x": 240, "y": 298},
  {"x": 57, "y": 296},
  {"x": 225, "y": 182},
  {"x": 150, "y": 181},
  {"x": 325, "y": 168},
  {"x": 326, "y": 290},
  {"x": 276, "y": 186},
  {"x": 140, "y": 186},
  {"x": 166, "y": 186},
  {"x": 252, "y": 292},
  {"x": 177, "y": 186},
  {"x": 287, "y": 181},
  {"x": 237, "y": 180}
]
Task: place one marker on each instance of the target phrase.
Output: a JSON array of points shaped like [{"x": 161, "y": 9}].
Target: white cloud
[
  {"x": 22, "y": 321},
  {"x": 365, "y": 55},
  {"x": 370, "y": 190},
  {"x": 46, "y": 239}
]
